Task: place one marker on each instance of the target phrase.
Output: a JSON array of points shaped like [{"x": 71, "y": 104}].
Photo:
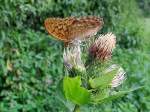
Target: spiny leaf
[
  {"x": 114, "y": 96},
  {"x": 103, "y": 80}
]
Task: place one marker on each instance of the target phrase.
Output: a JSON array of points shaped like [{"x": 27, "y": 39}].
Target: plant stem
[{"x": 76, "y": 108}]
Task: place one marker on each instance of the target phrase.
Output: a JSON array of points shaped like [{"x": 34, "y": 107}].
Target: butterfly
[{"x": 73, "y": 28}]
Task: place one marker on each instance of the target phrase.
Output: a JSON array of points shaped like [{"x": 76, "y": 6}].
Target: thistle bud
[
  {"x": 119, "y": 77},
  {"x": 72, "y": 58},
  {"x": 102, "y": 47}
]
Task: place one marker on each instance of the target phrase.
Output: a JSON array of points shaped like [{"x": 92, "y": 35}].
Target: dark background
[{"x": 31, "y": 62}]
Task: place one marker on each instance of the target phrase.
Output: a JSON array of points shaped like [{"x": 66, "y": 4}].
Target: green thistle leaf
[
  {"x": 103, "y": 81},
  {"x": 74, "y": 92},
  {"x": 98, "y": 100},
  {"x": 61, "y": 97}
]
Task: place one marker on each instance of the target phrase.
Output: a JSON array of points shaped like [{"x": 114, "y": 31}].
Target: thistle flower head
[
  {"x": 72, "y": 57},
  {"x": 119, "y": 77},
  {"x": 102, "y": 47}
]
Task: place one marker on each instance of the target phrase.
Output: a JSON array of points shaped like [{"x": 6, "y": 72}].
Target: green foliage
[
  {"x": 102, "y": 81},
  {"x": 145, "y": 6},
  {"x": 68, "y": 105},
  {"x": 111, "y": 97},
  {"x": 36, "y": 59},
  {"x": 74, "y": 92},
  {"x": 30, "y": 82},
  {"x": 136, "y": 64}
]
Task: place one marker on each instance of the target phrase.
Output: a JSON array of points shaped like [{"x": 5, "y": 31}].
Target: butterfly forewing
[
  {"x": 69, "y": 29},
  {"x": 57, "y": 28}
]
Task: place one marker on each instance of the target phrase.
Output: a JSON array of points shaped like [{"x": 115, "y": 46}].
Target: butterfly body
[{"x": 71, "y": 28}]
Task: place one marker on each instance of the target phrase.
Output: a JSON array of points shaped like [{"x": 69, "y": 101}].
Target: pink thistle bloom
[{"x": 103, "y": 46}]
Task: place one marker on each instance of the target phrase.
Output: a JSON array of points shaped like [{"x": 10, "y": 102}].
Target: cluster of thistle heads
[
  {"x": 97, "y": 60},
  {"x": 90, "y": 73}
]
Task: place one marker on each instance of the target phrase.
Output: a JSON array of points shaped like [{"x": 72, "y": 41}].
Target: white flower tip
[
  {"x": 72, "y": 57},
  {"x": 119, "y": 77}
]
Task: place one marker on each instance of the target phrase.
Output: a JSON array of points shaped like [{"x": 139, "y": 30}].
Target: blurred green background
[{"x": 31, "y": 62}]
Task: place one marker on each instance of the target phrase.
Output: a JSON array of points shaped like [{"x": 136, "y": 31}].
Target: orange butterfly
[{"x": 72, "y": 28}]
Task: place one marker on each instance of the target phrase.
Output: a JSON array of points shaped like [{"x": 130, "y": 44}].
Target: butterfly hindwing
[{"x": 85, "y": 27}]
